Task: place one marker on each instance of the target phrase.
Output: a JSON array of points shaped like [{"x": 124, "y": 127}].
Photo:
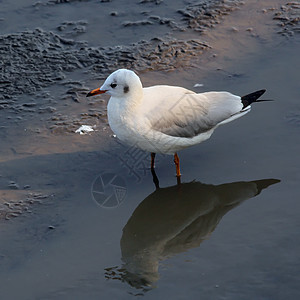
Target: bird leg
[
  {"x": 155, "y": 178},
  {"x": 152, "y": 160},
  {"x": 176, "y": 161}
]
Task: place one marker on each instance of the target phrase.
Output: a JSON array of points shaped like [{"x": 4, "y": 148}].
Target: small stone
[
  {"x": 198, "y": 85},
  {"x": 13, "y": 185},
  {"x": 31, "y": 104}
]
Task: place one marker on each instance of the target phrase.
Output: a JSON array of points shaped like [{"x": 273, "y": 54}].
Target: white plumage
[{"x": 166, "y": 119}]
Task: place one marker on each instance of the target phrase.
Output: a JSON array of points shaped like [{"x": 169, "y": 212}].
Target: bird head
[{"x": 120, "y": 83}]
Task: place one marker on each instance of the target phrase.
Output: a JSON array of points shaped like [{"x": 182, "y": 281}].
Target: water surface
[{"x": 105, "y": 231}]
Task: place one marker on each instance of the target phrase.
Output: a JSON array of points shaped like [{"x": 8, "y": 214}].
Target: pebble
[
  {"x": 13, "y": 185},
  {"x": 198, "y": 85}
]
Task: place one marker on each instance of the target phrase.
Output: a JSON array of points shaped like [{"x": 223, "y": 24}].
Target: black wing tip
[
  {"x": 260, "y": 92},
  {"x": 264, "y": 183},
  {"x": 250, "y": 98},
  {"x": 254, "y": 95}
]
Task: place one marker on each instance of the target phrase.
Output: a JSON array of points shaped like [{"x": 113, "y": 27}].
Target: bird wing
[{"x": 179, "y": 112}]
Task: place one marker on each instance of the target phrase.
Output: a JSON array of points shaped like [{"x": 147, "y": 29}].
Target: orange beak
[{"x": 96, "y": 92}]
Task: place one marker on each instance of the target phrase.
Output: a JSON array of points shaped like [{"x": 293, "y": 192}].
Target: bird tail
[
  {"x": 250, "y": 98},
  {"x": 264, "y": 183}
]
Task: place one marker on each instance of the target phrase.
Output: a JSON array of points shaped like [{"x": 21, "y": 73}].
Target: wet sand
[{"x": 59, "y": 238}]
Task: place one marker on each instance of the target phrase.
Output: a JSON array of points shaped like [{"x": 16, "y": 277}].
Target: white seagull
[{"x": 166, "y": 119}]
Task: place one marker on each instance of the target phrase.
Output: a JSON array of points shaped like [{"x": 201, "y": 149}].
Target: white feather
[{"x": 166, "y": 119}]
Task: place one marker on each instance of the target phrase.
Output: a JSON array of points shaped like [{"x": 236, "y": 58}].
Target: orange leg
[
  {"x": 176, "y": 161},
  {"x": 152, "y": 160}
]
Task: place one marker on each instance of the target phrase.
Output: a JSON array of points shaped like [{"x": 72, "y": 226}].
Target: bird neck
[{"x": 132, "y": 101}]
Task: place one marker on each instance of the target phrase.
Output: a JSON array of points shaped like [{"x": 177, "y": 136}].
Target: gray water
[{"x": 101, "y": 228}]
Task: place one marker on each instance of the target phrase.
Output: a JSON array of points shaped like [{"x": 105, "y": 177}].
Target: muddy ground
[{"x": 54, "y": 52}]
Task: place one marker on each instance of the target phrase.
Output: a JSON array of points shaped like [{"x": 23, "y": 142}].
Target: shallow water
[{"x": 100, "y": 229}]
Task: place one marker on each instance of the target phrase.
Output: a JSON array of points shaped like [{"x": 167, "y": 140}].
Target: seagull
[{"x": 166, "y": 119}]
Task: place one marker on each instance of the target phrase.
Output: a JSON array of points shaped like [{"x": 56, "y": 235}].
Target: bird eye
[{"x": 113, "y": 85}]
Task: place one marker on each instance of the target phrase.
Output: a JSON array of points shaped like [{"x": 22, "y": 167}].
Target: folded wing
[{"x": 182, "y": 113}]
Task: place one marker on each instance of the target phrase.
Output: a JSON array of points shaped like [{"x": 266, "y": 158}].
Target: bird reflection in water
[{"x": 172, "y": 220}]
